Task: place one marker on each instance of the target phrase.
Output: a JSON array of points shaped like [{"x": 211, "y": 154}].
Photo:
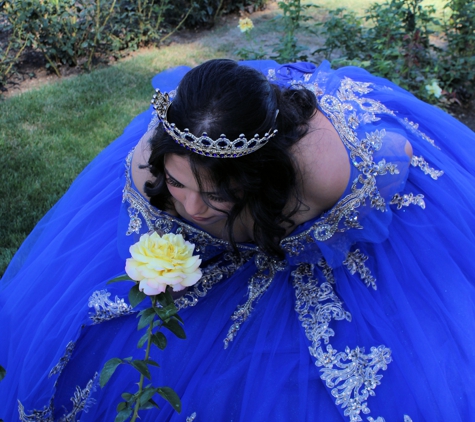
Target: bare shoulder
[
  {"x": 324, "y": 165},
  {"x": 140, "y": 158}
]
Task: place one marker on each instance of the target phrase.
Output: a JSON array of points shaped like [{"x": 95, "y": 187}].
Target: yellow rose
[
  {"x": 434, "y": 89},
  {"x": 245, "y": 24},
  {"x": 161, "y": 261}
]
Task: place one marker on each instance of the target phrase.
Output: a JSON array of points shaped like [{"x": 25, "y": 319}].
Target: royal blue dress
[{"x": 370, "y": 317}]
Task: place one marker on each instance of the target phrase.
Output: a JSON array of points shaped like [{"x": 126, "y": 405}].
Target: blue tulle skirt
[{"x": 60, "y": 321}]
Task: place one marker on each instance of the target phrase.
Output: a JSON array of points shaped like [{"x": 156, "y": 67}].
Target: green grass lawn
[{"x": 48, "y": 135}]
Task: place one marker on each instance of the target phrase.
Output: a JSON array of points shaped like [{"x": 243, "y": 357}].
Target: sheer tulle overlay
[{"x": 370, "y": 316}]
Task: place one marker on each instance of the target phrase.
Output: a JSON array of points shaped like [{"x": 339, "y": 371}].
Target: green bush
[
  {"x": 75, "y": 32},
  {"x": 457, "y": 68},
  {"x": 393, "y": 41}
]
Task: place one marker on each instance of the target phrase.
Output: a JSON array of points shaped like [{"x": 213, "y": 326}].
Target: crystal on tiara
[{"x": 204, "y": 145}]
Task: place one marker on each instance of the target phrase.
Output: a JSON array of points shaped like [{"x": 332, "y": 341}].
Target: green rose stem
[
  {"x": 167, "y": 317},
  {"x": 147, "y": 355}
]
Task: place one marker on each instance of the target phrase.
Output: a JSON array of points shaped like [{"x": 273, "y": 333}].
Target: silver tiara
[{"x": 204, "y": 145}]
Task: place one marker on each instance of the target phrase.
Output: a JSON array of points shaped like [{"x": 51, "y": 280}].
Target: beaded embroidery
[
  {"x": 408, "y": 199},
  {"x": 81, "y": 401},
  {"x": 355, "y": 263},
  {"x": 414, "y": 127},
  {"x": 257, "y": 286},
  {"x": 64, "y": 359},
  {"x": 424, "y": 166},
  {"x": 105, "y": 308},
  {"x": 351, "y": 375}
]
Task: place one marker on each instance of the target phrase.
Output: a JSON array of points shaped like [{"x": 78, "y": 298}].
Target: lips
[{"x": 200, "y": 218}]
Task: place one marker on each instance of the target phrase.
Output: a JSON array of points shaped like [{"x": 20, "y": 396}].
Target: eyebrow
[{"x": 171, "y": 177}]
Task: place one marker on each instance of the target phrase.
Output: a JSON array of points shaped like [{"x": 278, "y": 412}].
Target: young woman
[{"x": 334, "y": 216}]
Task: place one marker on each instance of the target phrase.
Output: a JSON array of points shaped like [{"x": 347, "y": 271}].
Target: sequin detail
[
  {"x": 191, "y": 418},
  {"x": 45, "y": 415},
  {"x": 138, "y": 206},
  {"x": 81, "y": 401},
  {"x": 105, "y": 308},
  {"x": 380, "y": 419},
  {"x": 408, "y": 199},
  {"x": 355, "y": 262},
  {"x": 258, "y": 284},
  {"x": 414, "y": 127},
  {"x": 424, "y": 166},
  {"x": 64, "y": 359},
  {"x": 351, "y": 375},
  {"x": 212, "y": 274}
]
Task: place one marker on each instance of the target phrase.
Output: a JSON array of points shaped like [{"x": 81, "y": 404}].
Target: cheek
[{"x": 177, "y": 193}]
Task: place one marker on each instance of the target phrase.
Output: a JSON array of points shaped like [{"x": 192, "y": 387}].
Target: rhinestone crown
[{"x": 204, "y": 145}]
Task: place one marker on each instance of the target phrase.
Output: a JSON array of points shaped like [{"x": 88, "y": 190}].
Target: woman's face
[{"x": 191, "y": 203}]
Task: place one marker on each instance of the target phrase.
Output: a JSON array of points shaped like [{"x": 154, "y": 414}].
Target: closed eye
[
  {"x": 214, "y": 198},
  {"x": 175, "y": 183}
]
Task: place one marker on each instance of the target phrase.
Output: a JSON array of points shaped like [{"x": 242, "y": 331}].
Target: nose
[{"x": 194, "y": 204}]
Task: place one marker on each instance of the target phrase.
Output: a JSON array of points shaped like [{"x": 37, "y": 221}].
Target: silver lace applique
[
  {"x": 408, "y": 199},
  {"x": 105, "y": 308},
  {"x": 317, "y": 305},
  {"x": 414, "y": 127},
  {"x": 64, "y": 359},
  {"x": 81, "y": 400},
  {"x": 424, "y": 166},
  {"x": 355, "y": 262},
  {"x": 212, "y": 274},
  {"x": 326, "y": 270},
  {"x": 138, "y": 206},
  {"x": 380, "y": 419},
  {"x": 258, "y": 284},
  {"x": 153, "y": 123},
  {"x": 191, "y": 418},
  {"x": 351, "y": 375},
  {"x": 45, "y": 415}
]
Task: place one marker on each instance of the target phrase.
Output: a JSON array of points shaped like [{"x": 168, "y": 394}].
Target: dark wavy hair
[{"x": 220, "y": 96}]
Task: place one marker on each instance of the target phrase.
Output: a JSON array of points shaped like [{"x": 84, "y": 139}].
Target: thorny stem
[{"x": 147, "y": 355}]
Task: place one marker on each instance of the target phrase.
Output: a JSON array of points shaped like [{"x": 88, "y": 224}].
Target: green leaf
[
  {"x": 146, "y": 317},
  {"x": 153, "y": 404},
  {"x": 123, "y": 415},
  {"x": 128, "y": 397},
  {"x": 108, "y": 370},
  {"x": 175, "y": 328},
  {"x": 122, "y": 406},
  {"x": 165, "y": 298},
  {"x": 142, "y": 340},
  {"x": 152, "y": 362},
  {"x": 146, "y": 395},
  {"x": 141, "y": 366},
  {"x": 3, "y": 372},
  {"x": 124, "y": 277},
  {"x": 159, "y": 340},
  {"x": 171, "y": 397},
  {"x": 178, "y": 317},
  {"x": 166, "y": 312},
  {"x": 136, "y": 296}
]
